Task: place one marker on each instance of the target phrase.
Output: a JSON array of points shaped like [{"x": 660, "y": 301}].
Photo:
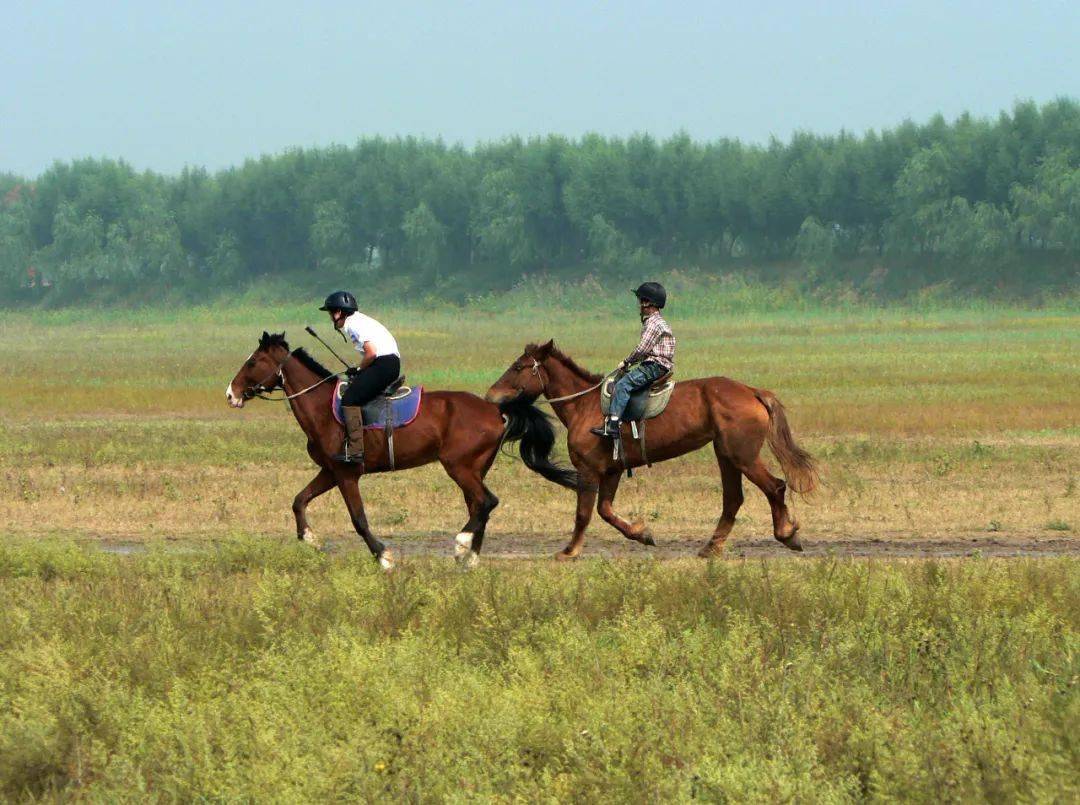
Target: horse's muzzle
[
  {"x": 504, "y": 396},
  {"x": 233, "y": 400}
]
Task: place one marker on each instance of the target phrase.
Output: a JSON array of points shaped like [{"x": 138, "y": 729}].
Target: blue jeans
[{"x": 637, "y": 378}]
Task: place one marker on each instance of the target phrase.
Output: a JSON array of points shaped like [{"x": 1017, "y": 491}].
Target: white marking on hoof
[
  {"x": 311, "y": 538},
  {"x": 386, "y": 560},
  {"x": 462, "y": 544}
]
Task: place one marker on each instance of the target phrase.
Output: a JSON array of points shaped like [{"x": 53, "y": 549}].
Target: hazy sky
[{"x": 165, "y": 84}]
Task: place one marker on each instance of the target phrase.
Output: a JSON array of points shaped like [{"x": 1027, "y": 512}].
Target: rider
[
  {"x": 380, "y": 365},
  {"x": 655, "y": 351}
]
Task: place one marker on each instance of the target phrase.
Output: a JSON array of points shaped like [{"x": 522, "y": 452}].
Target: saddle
[
  {"x": 645, "y": 403},
  {"x": 396, "y": 407}
]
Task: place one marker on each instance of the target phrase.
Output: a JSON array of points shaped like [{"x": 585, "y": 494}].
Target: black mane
[
  {"x": 278, "y": 340},
  {"x": 312, "y": 364}
]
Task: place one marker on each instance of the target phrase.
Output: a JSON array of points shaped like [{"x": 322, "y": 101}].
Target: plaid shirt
[{"x": 657, "y": 343}]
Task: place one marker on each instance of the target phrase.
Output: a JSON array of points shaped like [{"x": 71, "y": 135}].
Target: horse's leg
[
  {"x": 350, "y": 491},
  {"x": 638, "y": 532},
  {"x": 489, "y": 502},
  {"x": 785, "y": 529},
  {"x": 733, "y": 499},
  {"x": 480, "y": 501},
  {"x": 586, "y": 498},
  {"x": 486, "y": 508},
  {"x": 316, "y": 486}
]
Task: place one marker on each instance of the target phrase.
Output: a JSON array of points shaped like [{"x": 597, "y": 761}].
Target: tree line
[{"x": 974, "y": 201}]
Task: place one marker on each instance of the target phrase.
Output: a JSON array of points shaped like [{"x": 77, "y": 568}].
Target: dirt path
[
  {"x": 524, "y": 546},
  {"x": 528, "y": 546}
]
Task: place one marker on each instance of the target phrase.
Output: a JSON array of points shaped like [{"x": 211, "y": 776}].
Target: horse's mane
[
  {"x": 301, "y": 354},
  {"x": 569, "y": 362}
]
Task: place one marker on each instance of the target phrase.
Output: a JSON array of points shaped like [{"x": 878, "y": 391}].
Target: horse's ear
[
  {"x": 265, "y": 339},
  {"x": 544, "y": 350}
]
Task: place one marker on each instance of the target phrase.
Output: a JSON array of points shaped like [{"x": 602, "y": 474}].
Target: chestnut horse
[
  {"x": 735, "y": 418},
  {"x": 456, "y": 428}
]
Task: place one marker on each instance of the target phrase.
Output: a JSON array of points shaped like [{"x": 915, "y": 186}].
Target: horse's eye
[
  {"x": 251, "y": 364},
  {"x": 517, "y": 367}
]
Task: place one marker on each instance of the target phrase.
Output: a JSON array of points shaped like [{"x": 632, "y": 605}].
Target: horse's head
[
  {"x": 261, "y": 372},
  {"x": 523, "y": 380}
]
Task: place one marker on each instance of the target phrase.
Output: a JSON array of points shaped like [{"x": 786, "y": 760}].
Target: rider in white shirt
[{"x": 380, "y": 365}]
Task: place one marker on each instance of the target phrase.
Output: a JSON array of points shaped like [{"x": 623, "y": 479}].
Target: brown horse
[
  {"x": 456, "y": 428},
  {"x": 736, "y": 418}
]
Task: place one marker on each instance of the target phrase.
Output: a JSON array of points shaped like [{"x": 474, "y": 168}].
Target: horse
[
  {"x": 737, "y": 419},
  {"x": 458, "y": 429}
]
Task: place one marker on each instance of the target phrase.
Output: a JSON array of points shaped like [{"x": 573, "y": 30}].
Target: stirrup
[
  {"x": 607, "y": 431},
  {"x": 345, "y": 457}
]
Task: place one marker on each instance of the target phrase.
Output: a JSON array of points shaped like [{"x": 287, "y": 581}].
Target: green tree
[
  {"x": 499, "y": 223},
  {"x": 425, "y": 240},
  {"x": 16, "y": 244},
  {"x": 331, "y": 238},
  {"x": 1048, "y": 212}
]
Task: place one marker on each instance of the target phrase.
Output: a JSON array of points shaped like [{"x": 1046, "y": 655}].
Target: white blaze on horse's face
[{"x": 236, "y": 400}]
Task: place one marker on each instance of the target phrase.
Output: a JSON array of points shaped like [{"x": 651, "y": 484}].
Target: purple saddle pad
[{"x": 403, "y": 411}]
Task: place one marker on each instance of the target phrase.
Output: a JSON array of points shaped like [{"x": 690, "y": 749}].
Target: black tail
[{"x": 532, "y": 427}]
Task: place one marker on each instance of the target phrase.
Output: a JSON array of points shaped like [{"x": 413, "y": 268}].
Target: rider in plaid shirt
[{"x": 655, "y": 351}]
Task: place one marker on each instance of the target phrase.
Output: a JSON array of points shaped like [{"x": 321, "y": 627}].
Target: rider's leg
[
  {"x": 637, "y": 378},
  {"x": 362, "y": 389}
]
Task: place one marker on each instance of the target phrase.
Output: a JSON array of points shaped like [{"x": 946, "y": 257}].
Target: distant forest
[{"x": 976, "y": 203}]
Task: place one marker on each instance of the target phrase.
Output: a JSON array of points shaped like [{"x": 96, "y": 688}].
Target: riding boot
[
  {"x": 352, "y": 451},
  {"x": 610, "y": 429}
]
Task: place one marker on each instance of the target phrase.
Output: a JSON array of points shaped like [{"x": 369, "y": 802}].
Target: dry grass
[{"x": 949, "y": 423}]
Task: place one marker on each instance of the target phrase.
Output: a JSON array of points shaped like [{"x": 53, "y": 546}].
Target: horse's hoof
[
  {"x": 711, "y": 551},
  {"x": 563, "y": 556},
  {"x": 639, "y": 532},
  {"x": 463, "y": 545},
  {"x": 468, "y": 560},
  {"x": 311, "y": 539},
  {"x": 387, "y": 560},
  {"x": 792, "y": 543}
]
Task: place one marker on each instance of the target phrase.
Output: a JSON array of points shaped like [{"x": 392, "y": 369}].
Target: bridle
[
  {"x": 261, "y": 390},
  {"x": 537, "y": 368}
]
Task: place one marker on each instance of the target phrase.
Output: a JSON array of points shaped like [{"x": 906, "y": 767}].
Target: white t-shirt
[{"x": 361, "y": 329}]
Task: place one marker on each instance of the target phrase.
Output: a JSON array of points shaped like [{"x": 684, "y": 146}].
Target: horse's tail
[
  {"x": 800, "y": 468},
  {"x": 529, "y": 425}
]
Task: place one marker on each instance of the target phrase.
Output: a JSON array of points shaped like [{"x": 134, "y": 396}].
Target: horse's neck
[
  {"x": 563, "y": 381},
  {"x": 312, "y": 407}
]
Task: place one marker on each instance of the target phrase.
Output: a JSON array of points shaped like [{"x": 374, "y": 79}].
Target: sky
[{"x": 164, "y": 85}]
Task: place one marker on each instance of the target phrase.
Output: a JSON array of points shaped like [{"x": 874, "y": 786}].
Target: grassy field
[
  {"x": 936, "y": 422},
  {"x": 228, "y": 662},
  {"x": 273, "y": 673}
]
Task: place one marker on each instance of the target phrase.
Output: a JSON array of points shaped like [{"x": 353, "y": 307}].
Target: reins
[
  {"x": 571, "y": 396},
  {"x": 298, "y": 393},
  {"x": 278, "y": 371},
  {"x": 543, "y": 387}
]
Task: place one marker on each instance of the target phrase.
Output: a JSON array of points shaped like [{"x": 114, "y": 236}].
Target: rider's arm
[
  {"x": 367, "y": 355},
  {"x": 650, "y": 334}
]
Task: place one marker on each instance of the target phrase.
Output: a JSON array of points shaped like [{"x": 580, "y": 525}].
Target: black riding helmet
[
  {"x": 340, "y": 300},
  {"x": 651, "y": 292}
]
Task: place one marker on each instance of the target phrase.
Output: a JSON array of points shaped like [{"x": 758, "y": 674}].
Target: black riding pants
[{"x": 371, "y": 382}]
